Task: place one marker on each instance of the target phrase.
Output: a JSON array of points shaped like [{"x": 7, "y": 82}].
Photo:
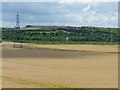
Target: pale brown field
[
  {"x": 60, "y": 66},
  {"x": 0, "y": 65}
]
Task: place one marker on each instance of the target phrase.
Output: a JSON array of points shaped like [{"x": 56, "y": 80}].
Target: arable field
[{"x": 60, "y": 66}]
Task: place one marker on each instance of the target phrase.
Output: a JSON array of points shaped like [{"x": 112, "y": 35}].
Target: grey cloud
[{"x": 60, "y": 13}]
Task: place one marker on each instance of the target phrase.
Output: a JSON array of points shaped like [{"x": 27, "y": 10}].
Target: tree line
[{"x": 63, "y": 34}]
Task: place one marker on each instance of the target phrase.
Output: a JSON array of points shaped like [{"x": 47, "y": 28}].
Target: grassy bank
[{"x": 68, "y": 42}]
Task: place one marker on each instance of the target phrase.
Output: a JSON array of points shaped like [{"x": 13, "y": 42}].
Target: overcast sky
[{"x": 104, "y": 14}]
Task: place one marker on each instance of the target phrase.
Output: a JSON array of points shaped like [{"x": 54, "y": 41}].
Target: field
[{"x": 60, "y": 66}]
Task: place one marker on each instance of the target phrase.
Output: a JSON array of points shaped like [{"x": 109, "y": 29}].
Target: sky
[{"x": 101, "y": 14}]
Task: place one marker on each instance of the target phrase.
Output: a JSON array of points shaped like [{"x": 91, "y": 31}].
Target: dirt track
[{"x": 78, "y": 66}]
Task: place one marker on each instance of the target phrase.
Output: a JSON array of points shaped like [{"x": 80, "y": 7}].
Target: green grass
[{"x": 68, "y": 42}]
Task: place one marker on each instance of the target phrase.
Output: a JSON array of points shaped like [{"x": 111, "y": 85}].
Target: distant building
[{"x": 67, "y": 39}]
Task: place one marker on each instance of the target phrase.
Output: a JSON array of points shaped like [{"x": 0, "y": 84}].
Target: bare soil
[{"x": 60, "y": 66}]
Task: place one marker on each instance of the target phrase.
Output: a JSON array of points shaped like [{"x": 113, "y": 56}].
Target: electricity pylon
[{"x": 17, "y": 34}]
